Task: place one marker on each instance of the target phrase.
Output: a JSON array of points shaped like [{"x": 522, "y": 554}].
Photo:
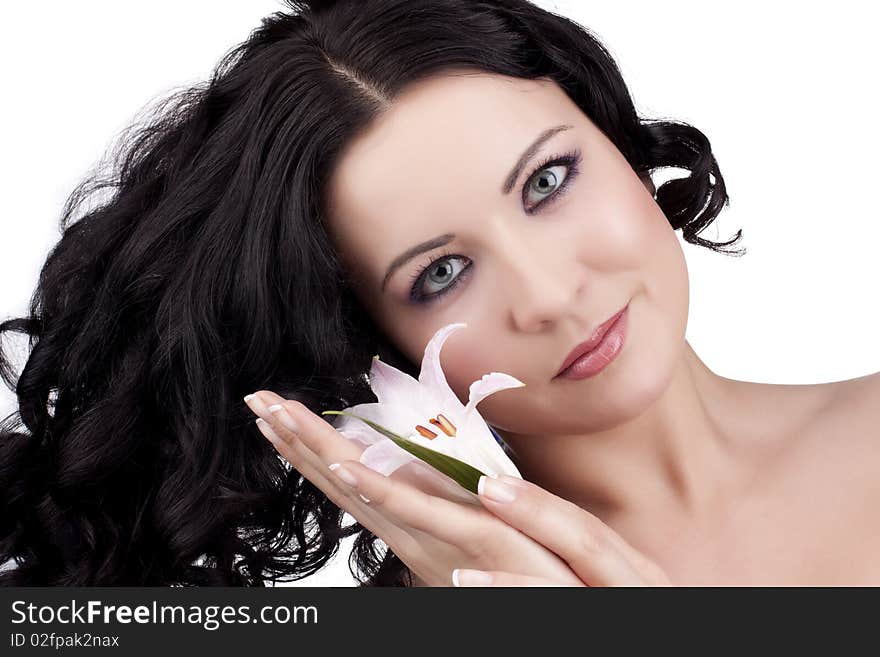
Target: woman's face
[{"x": 532, "y": 270}]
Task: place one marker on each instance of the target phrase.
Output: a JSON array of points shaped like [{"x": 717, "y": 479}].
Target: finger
[
  {"x": 311, "y": 468},
  {"x": 289, "y": 445},
  {"x": 467, "y": 577},
  {"x": 294, "y": 452},
  {"x": 589, "y": 546},
  {"x": 293, "y": 420},
  {"x": 409, "y": 506},
  {"x": 343, "y": 496}
]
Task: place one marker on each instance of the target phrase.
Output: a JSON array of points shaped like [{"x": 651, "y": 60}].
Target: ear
[{"x": 648, "y": 183}]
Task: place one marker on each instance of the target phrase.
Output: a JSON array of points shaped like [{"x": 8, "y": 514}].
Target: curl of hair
[{"x": 206, "y": 274}]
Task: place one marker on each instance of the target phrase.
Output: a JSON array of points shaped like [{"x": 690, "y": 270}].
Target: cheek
[
  {"x": 626, "y": 235},
  {"x": 622, "y": 225},
  {"x": 646, "y": 242}
]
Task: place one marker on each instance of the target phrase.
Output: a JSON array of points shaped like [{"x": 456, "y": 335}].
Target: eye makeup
[{"x": 571, "y": 160}]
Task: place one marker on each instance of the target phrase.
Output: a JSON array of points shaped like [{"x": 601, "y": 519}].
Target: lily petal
[
  {"x": 395, "y": 417},
  {"x": 488, "y": 451},
  {"x": 431, "y": 375},
  {"x": 385, "y": 457},
  {"x": 363, "y": 435},
  {"x": 487, "y": 385},
  {"x": 390, "y": 385},
  {"x": 495, "y": 459}
]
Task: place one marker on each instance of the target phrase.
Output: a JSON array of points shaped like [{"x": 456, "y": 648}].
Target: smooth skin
[{"x": 708, "y": 479}]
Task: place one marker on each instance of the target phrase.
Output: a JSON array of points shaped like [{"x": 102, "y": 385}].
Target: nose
[{"x": 543, "y": 288}]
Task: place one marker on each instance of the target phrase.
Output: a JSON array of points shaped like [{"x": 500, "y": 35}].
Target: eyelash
[{"x": 571, "y": 159}]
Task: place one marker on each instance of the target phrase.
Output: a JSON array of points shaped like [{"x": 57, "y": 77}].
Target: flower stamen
[
  {"x": 427, "y": 433},
  {"x": 445, "y": 425}
]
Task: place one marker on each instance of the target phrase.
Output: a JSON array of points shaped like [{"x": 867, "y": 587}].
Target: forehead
[{"x": 446, "y": 139}]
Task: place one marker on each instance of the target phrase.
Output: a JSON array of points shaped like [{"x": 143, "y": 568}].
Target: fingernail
[
  {"x": 266, "y": 430},
  {"x": 469, "y": 577},
  {"x": 247, "y": 398},
  {"x": 365, "y": 499},
  {"x": 495, "y": 490},
  {"x": 284, "y": 417},
  {"x": 344, "y": 474}
]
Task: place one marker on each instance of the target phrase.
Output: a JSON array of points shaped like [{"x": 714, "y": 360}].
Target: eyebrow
[{"x": 506, "y": 187}]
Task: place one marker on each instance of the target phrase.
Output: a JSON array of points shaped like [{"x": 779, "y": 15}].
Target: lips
[{"x": 592, "y": 342}]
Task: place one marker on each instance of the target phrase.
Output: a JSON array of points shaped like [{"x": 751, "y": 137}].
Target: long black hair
[{"x": 206, "y": 273}]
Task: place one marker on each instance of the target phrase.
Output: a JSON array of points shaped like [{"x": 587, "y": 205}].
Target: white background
[{"x": 786, "y": 93}]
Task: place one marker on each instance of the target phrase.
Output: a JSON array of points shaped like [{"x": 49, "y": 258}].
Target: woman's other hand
[{"x": 597, "y": 554}]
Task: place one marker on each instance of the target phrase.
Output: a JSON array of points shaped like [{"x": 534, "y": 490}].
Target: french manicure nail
[
  {"x": 495, "y": 490},
  {"x": 284, "y": 417},
  {"x": 469, "y": 577}
]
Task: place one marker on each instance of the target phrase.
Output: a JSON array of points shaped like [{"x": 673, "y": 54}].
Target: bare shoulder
[
  {"x": 853, "y": 455},
  {"x": 832, "y": 444},
  {"x": 833, "y": 483},
  {"x": 845, "y": 435},
  {"x": 854, "y": 406}
]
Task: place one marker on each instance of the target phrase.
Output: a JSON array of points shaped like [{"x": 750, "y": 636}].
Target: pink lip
[{"x": 590, "y": 344}]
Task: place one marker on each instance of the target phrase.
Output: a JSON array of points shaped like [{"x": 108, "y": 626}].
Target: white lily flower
[{"x": 424, "y": 419}]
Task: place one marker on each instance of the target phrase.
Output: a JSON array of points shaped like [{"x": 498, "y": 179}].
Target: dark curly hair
[{"x": 207, "y": 274}]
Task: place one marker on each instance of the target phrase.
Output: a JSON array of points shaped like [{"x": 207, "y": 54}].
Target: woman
[{"x": 245, "y": 250}]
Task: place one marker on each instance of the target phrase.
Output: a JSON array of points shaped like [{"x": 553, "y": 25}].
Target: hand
[
  {"x": 597, "y": 554},
  {"x": 430, "y": 522}
]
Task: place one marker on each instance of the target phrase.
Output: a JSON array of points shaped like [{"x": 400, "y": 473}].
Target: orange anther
[{"x": 427, "y": 433}]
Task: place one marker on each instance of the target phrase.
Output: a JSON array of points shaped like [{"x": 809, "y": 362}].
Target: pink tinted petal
[
  {"x": 494, "y": 456},
  {"x": 365, "y": 436},
  {"x": 482, "y": 448},
  {"x": 390, "y": 385},
  {"x": 487, "y": 385},
  {"x": 385, "y": 457},
  {"x": 353, "y": 428},
  {"x": 431, "y": 375},
  {"x": 386, "y": 415}
]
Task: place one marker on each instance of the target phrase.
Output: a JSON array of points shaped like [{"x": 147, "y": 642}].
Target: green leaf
[{"x": 466, "y": 475}]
